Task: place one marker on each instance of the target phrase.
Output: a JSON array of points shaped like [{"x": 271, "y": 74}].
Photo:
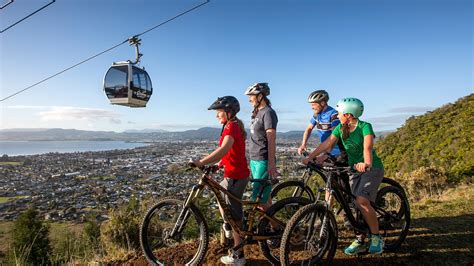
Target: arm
[
  {"x": 306, "y": 135},
  {"x": 368, "y": 146},
  {"x": 327, "y": 145},
  {"x": 217, "y": 154},
  {"x": 271, "y": 138}
]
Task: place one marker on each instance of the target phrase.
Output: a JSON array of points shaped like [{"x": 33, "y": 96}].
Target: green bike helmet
[{"x": 351, "y": 106}]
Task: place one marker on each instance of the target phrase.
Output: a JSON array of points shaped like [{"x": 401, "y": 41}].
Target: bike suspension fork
[
  {"x": 185, "y": 212},
  {"x": 328, "y": 210}
]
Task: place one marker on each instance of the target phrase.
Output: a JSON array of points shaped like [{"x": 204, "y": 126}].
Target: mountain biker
[
  {"x": 324, "y": 120},
  {"x": 358, "y": 137},
  {"x": 262, "y": 144},
  {"x": 230, "y": 155}
]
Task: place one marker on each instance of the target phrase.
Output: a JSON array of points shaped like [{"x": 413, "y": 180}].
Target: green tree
[{"x": 30, "y": 238}]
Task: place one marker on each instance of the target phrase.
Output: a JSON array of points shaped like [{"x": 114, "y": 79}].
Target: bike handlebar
[
  {"x": 205, "y": 168},
  {"x": 329, "y": 167}
]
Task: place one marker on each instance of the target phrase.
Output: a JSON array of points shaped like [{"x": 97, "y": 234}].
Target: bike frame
[
  {"x": 338, "y": 193},
  {"x": 207, "y": 181}
]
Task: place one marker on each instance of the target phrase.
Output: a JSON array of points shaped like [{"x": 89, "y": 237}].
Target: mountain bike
[
  {"x": 175, "y": 231},
  {"x": 302, "y": 187},
  {"x": 315, "y": 225}
]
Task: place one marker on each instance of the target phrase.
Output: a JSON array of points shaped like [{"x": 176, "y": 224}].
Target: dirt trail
[
  {"x": 432, "y": 241},
  {"x": 441, "y": 234}
]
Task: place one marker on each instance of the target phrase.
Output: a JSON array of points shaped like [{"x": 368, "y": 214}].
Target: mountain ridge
[{"x": 60, "y": 134}]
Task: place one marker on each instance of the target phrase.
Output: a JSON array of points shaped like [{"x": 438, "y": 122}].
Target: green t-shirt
[{"x": 354, "y": 144}]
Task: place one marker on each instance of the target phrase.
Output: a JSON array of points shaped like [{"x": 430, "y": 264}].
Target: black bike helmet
[
  {"x": 230, "y": 104},
  {"x": 258, "y": 88},
  {"x": 318, "y": 96}
]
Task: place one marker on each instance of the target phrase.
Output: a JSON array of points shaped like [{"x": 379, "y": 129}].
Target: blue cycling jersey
[{"x": 323, "y": 123}]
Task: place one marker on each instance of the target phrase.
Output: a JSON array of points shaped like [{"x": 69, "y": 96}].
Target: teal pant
[{"x": 259, "y": 171}]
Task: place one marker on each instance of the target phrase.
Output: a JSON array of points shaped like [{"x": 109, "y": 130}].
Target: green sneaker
[
  {"x": 356, "y": 247},
  {"x": 376, "y": 244}
]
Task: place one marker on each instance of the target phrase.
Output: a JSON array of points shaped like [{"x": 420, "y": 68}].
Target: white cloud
[
  {"x": 411, "y": 109},
  {"x": 68, "y": 113},
  {"x": 179, "y": 126},
  {"x": 28, "y": 107}
]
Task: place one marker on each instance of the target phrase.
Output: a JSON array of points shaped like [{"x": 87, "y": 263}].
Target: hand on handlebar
[
  {"x": 321, "y": 158},
  {"x": 307, "y": 160},
  {"x": 304, "y": 153},
  {"x": 302, "y": 150},
  {"x": 318, "y": 160},
  {"x": 361, "y": 167},
  {"x": 195, "y": 163}
]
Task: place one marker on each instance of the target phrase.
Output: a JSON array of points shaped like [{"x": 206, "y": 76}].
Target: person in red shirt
[{"x": 231, "y": 155}]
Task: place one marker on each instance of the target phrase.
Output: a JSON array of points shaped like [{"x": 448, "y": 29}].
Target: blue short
[{"x": 259, "y": 171}]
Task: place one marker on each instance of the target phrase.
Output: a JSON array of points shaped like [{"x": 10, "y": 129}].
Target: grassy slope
[
  {"x": 441, "y": 234},
  {"x": 56, "y": 229}
]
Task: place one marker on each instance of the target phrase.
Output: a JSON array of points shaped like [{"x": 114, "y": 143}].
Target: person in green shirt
[{"x": 358, "y": 139}]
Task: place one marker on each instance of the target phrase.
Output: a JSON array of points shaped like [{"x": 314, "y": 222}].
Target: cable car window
[
  {"x": 116, "y": 82},
  {"x": 140, "y": 88},
  {"x": 149, "y": 88}
]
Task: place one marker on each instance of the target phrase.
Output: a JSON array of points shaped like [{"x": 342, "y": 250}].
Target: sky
[{"x": 400, "y": 57}]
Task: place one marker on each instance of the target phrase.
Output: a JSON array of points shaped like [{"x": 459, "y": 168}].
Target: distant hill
[
  {"x": 55, "y": 134},
  {"x": 145, "y": 135},
  {"x": 145, "y": 131},
  {"x": 442, "y": 138}
]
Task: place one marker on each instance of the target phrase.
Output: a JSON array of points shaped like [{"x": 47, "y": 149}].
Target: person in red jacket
[{"x": 231, "y": 155}]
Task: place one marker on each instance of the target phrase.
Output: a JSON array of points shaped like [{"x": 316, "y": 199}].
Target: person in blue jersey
[{"x": 324, "y": 120}]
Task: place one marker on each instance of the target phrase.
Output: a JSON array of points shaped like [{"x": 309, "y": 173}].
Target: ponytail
[
  {"x": 345, "y": 131},
  {"x": 255, "y": 110},
  {"x": 241, "y": 126}
]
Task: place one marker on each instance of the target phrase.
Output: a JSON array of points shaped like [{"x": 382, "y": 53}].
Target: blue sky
[{"x": 400, "y": 57}]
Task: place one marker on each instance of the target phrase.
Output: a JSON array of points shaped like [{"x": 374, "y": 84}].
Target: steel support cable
[
  {"x": 52, "y": 1},
  {"x": 62, "y": 71},
  {"x": 103, "y": 52}
]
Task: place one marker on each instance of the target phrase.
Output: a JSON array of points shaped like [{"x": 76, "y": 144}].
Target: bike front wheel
[
  {"x": 395, "y": 222},
  {"x": 281, "y": 211},
  {"x": 187, "y": 246},
  {"x": 310, "y": 237}
]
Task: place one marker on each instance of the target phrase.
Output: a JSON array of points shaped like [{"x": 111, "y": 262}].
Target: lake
[{"x": 12, "y": 148}]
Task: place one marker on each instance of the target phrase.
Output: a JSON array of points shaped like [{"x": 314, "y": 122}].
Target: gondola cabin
[{"x": 128, "y": 85}]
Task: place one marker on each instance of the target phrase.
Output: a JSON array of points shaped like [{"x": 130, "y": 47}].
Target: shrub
[
  {"x": 424, "y": 182},
  {"x": 30, "y": 241},
  {"x": 120, "y": 234}
]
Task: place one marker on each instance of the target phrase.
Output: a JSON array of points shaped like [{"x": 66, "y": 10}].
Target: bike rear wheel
[
  {"x": 282, "y": 211},
  {"x": 187, "y": 247},
  {"x": 310, "y": 237},
  {"x": 395, "y": 224}
]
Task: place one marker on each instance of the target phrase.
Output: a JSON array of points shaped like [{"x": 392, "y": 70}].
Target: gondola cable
[
  {"x": 105, "y": 51},
  {"x": 11, "y": 26}
]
